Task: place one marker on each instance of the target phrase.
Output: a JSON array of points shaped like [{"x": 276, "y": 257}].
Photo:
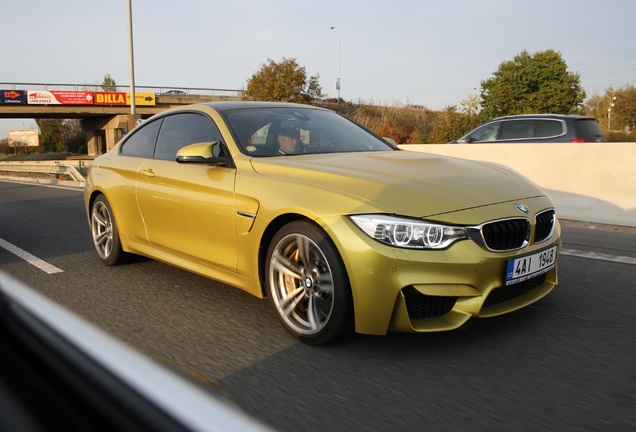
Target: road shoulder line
[
  {"x": 599, "y": 256},
  {"x": 31, "y": 259}
]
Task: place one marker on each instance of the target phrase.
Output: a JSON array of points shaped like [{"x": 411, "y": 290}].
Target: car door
[
  {"x": 136, "y": 149},
  {"x": 188, "y": 209}
]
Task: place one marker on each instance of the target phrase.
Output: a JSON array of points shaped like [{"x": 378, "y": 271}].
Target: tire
[
  {"x": 308, "y": 284},
  {"x": 105, "y": 234}
]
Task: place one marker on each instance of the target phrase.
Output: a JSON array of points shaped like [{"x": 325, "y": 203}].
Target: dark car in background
[
  {"x": 174, "y": 93},
  {"x": 529, "y": 128}
]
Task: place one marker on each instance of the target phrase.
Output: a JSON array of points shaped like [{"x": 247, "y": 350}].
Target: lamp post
[
  {"x": 131, "y": 62},
  {"x": 339, "y": 59},
  {"x": 609, "y": 113}
]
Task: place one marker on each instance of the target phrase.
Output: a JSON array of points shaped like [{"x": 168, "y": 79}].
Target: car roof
[
  {"x": 226, "y": 106},
  {"x": 554, "y": 116},
  {"x": 233, "y": 105}
]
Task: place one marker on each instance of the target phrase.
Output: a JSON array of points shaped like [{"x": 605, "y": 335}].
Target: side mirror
[{"x": 200, "y": 153}]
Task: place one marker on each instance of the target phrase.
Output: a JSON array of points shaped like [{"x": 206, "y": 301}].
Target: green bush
[{"x": 621, "y": 136}]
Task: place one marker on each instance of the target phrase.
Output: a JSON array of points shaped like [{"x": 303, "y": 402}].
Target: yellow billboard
[{"x": 142, "y": 99}]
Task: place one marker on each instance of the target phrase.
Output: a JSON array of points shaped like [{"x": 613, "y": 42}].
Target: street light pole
[
  {"x": 131, "y": 61},
  {"x": 339, "y": 59},
  {"x": 609, "y": 113}
]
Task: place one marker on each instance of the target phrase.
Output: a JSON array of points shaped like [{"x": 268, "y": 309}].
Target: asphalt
[{"x": 586, "y": 209}]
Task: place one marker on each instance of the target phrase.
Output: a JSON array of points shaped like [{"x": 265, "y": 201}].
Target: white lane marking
[
  {"x": 31, "y": 259},
  {"x": 599, "y": 256}
]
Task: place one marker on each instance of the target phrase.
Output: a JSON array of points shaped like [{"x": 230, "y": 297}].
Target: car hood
[{"x": 403, "y": 182}]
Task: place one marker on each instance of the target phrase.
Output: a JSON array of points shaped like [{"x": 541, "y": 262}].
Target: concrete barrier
[{"x": 591, "y": 182}]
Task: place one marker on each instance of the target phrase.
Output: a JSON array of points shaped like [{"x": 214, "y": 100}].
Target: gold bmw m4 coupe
[{"x": 341, "y": 229}]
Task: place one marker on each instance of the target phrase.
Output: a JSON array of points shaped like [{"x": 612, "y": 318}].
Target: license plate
[{"x": 529, "y": 266}]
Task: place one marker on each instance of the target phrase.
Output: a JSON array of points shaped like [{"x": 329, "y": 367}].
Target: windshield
[{"x": 285, "y": 131}]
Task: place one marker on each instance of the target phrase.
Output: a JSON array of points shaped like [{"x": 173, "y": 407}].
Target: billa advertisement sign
[
  {"x": 24, "y": 138},
  {"x": 123, "y": 98},
  {"x": 110, "y": 98}
]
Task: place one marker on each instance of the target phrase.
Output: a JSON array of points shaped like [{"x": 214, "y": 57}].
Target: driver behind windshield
[{"x": 289, "y": 141}]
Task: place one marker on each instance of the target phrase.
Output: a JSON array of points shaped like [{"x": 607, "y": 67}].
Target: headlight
[{"x": 408, "y": 233}]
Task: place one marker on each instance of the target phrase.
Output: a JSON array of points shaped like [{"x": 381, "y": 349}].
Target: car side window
[
  {"x": 180, "y": 130},
  {"x": 485, "y": 133},
  {"x": 549, "y": 128},
  {"x": 517, "y": 129},
  {"x": 142, "y": 142}
]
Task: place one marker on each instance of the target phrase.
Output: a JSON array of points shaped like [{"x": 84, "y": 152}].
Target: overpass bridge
[{"x": 105, "y": 116}]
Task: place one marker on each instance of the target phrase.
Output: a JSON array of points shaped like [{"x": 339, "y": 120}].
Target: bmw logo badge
[{"x": 522, "y": 208}]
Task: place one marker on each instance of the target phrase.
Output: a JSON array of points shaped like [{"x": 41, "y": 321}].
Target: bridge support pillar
[
  {"x": 133, "y": 119},
  {"x": 104, "y": 132}
]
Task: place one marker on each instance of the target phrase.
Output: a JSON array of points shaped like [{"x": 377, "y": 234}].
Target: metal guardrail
[{"x": 63, "y": 173}]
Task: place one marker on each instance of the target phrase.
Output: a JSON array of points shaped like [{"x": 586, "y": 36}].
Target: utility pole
[
  {"x": 131, "y": 62},
  {"x": 609, "y": 114},
  {"x": 339, "y": 59}
]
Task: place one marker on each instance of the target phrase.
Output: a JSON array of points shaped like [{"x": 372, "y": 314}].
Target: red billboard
[{"x": 59, "y": 97}]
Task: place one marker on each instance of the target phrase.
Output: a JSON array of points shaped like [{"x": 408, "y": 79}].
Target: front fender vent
[{"x": 421, "y": 306}]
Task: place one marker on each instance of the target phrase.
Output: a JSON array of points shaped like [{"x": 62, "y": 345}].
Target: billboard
[
  {"x": 123, "y": 98},
  {"x": 57, "y": 97},
  {"x": 64, "y": 97},
  {"x": 110, "y": 98},
  {"x": 142, "y": 98},
  {"x": 13, "y": 97},
  {"x": 24, "y": 138}
]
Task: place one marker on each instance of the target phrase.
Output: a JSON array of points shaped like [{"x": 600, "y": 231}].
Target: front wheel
[
  {"x": 105, "y": 234},
  {"x": 308, "y": 284}
]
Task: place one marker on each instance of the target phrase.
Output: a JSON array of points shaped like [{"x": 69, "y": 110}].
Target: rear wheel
[
  {"x": 308, "y": 284},
  {"x": 105, "y": 234}
]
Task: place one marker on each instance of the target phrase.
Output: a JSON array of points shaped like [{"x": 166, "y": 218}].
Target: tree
[
  {"x": 615, "y": 110},
  {"x": 60, "y": 135},
  {"x": 285, "y": 81},
  {"x": 452, "y": 123},
  {"x": 108, "y": 84},
  {"x": 532, "y": 84},
  {"x": 623, "y": 114},
  {"x": 622, "y": 102},
  {"x": 471, "y": 105}
]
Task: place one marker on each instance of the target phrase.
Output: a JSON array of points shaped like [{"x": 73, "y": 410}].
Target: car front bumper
[{"x": 406, "y": 290}]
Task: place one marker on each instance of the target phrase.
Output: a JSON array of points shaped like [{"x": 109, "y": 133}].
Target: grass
[{"x": 38, "y": 156}]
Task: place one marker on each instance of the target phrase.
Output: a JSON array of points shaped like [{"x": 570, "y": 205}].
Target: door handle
[{"x": 148, "y": 173}]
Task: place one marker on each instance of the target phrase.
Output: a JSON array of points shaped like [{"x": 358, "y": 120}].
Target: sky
[{"x": 403, "y": 52}]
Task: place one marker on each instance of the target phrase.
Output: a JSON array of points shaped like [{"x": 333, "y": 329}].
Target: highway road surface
[{"x": 565, "y": 363}]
